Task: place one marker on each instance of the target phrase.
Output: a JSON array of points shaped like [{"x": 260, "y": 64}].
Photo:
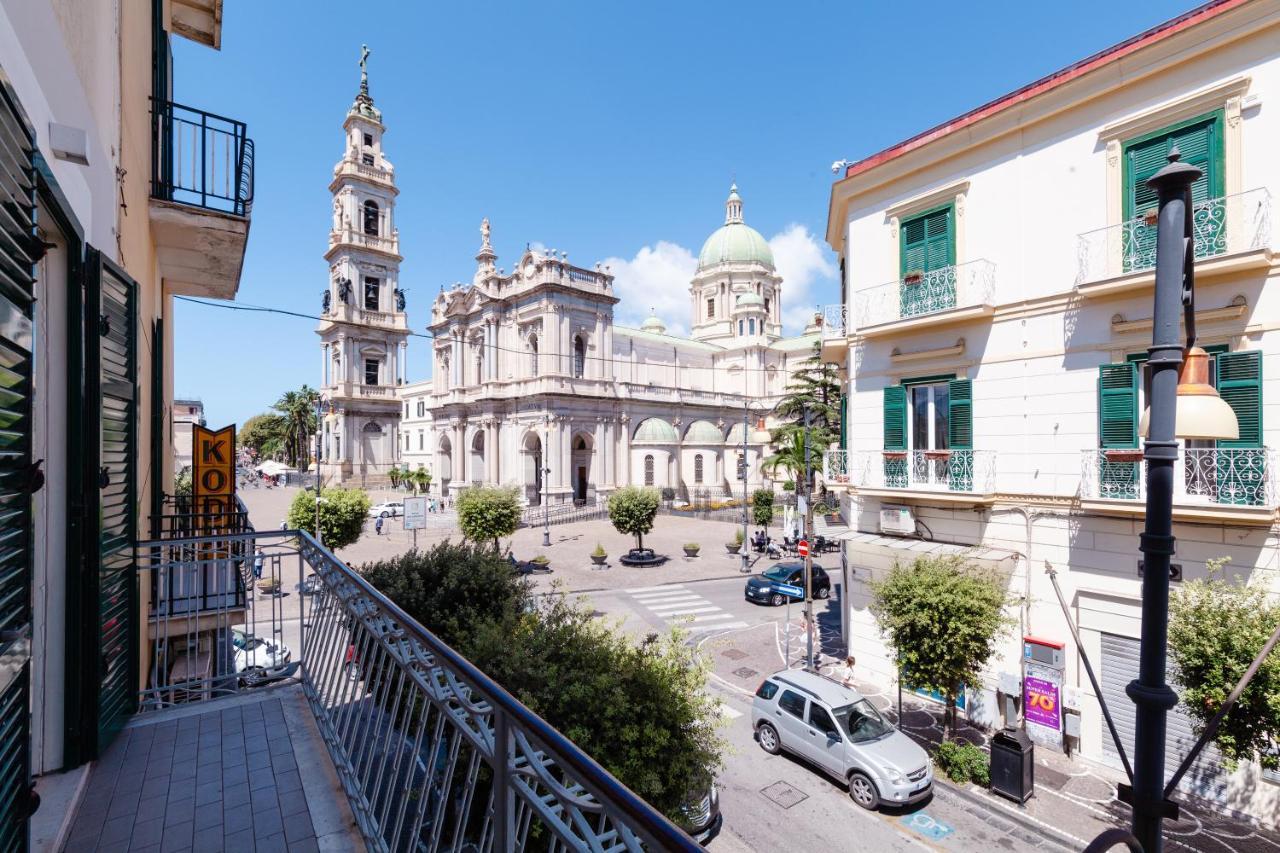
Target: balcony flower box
[
  {"x": 913, "y": 277},
  {"x": 1123, "y": 455},
  {"x": 938, "y": 455},
  {"x": 1151, "y": 217},
  {"x": 895, "y": 454}
]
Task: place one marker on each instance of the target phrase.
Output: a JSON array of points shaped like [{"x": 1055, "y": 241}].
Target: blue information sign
[{"x": 788, "y": 589}]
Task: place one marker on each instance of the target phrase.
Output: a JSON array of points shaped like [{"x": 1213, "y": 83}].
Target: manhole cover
[
  {"x": 745, "y": 672},
  {"x": 784, "y": 795},
  {"x": 734, "y": 654}
]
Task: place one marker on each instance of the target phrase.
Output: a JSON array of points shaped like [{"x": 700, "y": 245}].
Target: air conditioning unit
[{"x": 897, "y": 520}]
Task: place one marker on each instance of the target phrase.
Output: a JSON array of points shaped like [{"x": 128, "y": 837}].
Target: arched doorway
[
  {"x": 531, "y": 450},
  {"x": 477, "y": 458},
  {"x": 444, "y": 463},
  {"x": 372, "y": 454},
  {"x": 580, "y": 468}
]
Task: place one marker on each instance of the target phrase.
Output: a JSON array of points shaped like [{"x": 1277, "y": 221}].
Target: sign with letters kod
[{"x": 213, "y": 480}]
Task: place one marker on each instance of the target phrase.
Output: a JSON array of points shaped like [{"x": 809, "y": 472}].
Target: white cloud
[
  {"x": 805, "y": 266},
  {"x": 656, "y": 278}
]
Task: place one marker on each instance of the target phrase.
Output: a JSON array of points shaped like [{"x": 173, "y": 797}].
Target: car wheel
[
  {"x": 824, "y": 592},
  {"x": 776, "y": 599},
  {"x": 385, "y": 514},
  {"x": 863, "y": 791},
  {"x": 253, "y": 675},
  {"x": 767, "y": 735}
]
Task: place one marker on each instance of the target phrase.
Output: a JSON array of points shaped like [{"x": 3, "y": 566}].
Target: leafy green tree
[
  {"x": 632, "y": 510},
  {"x": 814, "y": 386},
  {"x": 1216, "y": 628},
  {"x": 422, "y": 480},
  {"x": 452, "y": 588},
  {"x": 788, "y": 455},
  {"x": 641, "y": 710},
  {"x": 488, "y": 512},
  {"x": 263, "y": 434},
  {"x": 182, "y": 482},
  {"x": 942, "y": 616},
  {"x": 394, "y": 474},
  {"x": 762, "y": 507},
  {"x": 342, "y": 515}
]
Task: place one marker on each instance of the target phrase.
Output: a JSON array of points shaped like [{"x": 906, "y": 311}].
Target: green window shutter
[
  {"x": 1118, "y": 405},
  {"x": 895, "y": 418},
  {"x": 844, "y": 421},
  {"x": 1240, "y": 384},
  {"x": 914, "y": 251},
  {"x": 939, "y": 246},
  {"x": 960, "y": 414},
  {"x": 1199, "y": 143}
]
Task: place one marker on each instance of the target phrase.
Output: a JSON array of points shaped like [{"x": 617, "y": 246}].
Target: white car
[
  {"x": 256, "y": 657},
  {"x": 389, "y": 509}
]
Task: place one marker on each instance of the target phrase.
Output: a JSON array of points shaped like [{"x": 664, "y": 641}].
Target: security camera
[{"x": 838, "y": 166}]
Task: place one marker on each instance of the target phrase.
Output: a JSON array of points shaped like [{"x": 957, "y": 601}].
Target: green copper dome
[
  {"x": 653, "y": 324},
  {"x": 748, "y": 299},
  {"x": 703, "y": 432},
  {"x": 735, "y": 242},
  {"x": 656, "y": 430}
]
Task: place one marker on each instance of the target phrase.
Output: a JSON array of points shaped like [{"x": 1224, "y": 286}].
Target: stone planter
[
  {"x": 732, "y": 547},
  {"x": 541, "y": 565},
  {"x": 691, "y": 552},
  {"x": 599, "y": 561}
]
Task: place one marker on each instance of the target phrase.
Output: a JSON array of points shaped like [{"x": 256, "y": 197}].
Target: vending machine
[{"x": 1042, "y": 670}]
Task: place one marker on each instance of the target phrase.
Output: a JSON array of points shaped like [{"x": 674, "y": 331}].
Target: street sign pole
[
  {"x": 788, "y": 666},
  {"x": 808, "y": 559}
]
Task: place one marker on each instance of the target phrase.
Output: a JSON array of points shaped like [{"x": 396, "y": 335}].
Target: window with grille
[
  {"x": 533, "y": 355},
  {"x": 579, "y": 357},
  {"x": 371, "y": 288},
  {"x": 371, "y": 371},
  {"x": 697, "y": 469},
  {"x": 711, "y": 309},
  {"x": 648, "y": 470}
]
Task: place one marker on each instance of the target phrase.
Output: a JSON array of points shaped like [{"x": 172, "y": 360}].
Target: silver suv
[{"x": 840, "y": 731}]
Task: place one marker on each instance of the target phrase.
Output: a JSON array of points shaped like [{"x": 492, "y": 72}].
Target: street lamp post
[
  {"x": 742, "y": 472},
  {"x": 546, "y": 500},
  {"x": 320, "y": 402},
  {"x": 1151, "y": 695}
]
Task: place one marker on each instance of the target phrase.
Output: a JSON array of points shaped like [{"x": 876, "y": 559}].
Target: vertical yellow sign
[{"x": 213, "y": 484}]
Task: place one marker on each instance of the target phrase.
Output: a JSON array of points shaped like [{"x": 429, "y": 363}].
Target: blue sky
[{"x": 609, "y": 131}]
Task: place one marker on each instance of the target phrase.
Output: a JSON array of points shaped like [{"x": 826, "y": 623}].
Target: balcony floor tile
[{"x": 179, "y": 778}]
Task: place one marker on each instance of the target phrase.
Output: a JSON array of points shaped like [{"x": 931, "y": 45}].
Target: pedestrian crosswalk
[{"x": 676, "y": 604}]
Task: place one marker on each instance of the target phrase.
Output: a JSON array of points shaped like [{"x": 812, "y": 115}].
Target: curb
[
  {"x": 738, "y": 574},
  {"x": 1031, "y": 825}
]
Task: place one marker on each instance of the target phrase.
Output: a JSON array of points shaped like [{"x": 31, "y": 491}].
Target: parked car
[
  {"x": 838, "y": 730},
  {"x": 255, "y": 657},
  {"x": 763, "y": 587},
  {"x": 388, "y": 509},
  {"x": 700, "y": 817}
]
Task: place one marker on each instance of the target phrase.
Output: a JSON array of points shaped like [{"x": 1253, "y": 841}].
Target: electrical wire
[{"x": 262, "y": 309}]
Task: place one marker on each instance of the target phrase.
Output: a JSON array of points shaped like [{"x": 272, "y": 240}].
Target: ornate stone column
[{"x": 624, "y": 464}]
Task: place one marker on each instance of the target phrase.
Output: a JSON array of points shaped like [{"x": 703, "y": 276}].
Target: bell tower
[{"x": 364, "y": 329}]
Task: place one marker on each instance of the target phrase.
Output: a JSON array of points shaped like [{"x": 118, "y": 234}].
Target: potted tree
[
  {"x": 541, "y": 562},
  {"x": 268, "y": 586},
  {"x": 599, "y": 555},
  {"x": 691, "y": 549},
  {"x": 736, "y": 545}
]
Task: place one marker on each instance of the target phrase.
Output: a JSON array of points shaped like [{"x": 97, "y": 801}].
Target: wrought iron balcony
[
  {"x": 200, "y": 586},
  {"x": 1241, "y": 477},
  {"x": 1222, "y": 226},
  {"x": 968, "y": 285},
  {"x": 960, "y": 471},
  {"x": 430, "y": 752},
  {"x": 201, "y": 159},
  {"x": 834, "y": 322}
]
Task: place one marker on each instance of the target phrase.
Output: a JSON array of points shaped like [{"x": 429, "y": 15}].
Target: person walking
[
  {"x": 257, "y": 564},
  {"x": 377, "y": 526},
  {"x": 845, "y": 673}
]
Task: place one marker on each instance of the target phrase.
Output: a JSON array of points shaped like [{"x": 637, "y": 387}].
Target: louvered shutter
[
  {"x": 960, "y": 434},
  {"x": 112, "y": 371},
  {"x": 939, "y": 251},
  {"x": 913, "y": 246},
  {"x": 17, "y": 320},
  {"x": 1118, "y": 428},
  {"x": 1241, "y": 464},
  {"x": 895, "y": 436}
]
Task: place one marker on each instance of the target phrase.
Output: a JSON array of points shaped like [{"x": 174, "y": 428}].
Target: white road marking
[
  {"x": 718, "y": 626},
  {"x": 687, "y": 607},
  {"x": 711, "y": 616},
  {"x": 653, "y": 588},
  {"x": 659, "y": 603}
]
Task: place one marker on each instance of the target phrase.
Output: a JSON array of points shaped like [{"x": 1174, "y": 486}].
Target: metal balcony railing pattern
[
  {"x": 431, "y": 753},
  {"x": 834, "y": 321},
  {"x": 969, "y": 471},
  {"x": 1226, "y": 225},
  {"x": 1226, "y": 476},
  {"x": 200, "y": 159},
  {"x": 966, "y": 285}
]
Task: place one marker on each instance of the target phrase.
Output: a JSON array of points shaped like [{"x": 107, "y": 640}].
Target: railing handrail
[
  {"x": 567, "y": 753},
  {"x": 1264, "y": 193},
  {"x": 975, "y": 263},
  {"x": 201, "y": 166}
]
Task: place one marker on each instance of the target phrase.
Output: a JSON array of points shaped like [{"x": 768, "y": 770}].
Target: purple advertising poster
[{"x": 1040, "y": 702}]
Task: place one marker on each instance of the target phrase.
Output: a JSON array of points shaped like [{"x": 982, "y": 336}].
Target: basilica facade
[{"x": 534, "y": 385}]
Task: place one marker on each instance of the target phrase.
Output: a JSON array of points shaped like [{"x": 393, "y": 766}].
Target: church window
[
  {"x": 371, "y": 218},
  {"x": 422, "y": 408},
  {"x": 370, "y": 371},
  {"x": 533, "y": 355},
  {"x": 740, "y": 327},
  {"x": 366, "y": 159},
  {"x": 368, "y": 140},
  {"x": 766, "y": 305},
  {"x": 711, "y": 309},
  {"x": 337, "y": 447},
  {"x": 648, "y": 470},
  {"x": 697, "y": 469},
  {"x": 406, "y": 410},
  {"x": 579, "y": 357},
  {"x": 371, "y": 288},
  {"x": 751, "y": 326},
  {"x": 421, "y": 439}
]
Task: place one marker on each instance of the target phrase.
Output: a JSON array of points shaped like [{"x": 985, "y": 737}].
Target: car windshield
[
  {"x": 779, "y": 573},
  {"x": 246, "y": 642},
  {"x": 862, "y": 721}
]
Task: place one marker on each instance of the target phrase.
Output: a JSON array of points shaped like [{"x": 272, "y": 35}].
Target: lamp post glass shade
[{"x": 1201, "y": 413}]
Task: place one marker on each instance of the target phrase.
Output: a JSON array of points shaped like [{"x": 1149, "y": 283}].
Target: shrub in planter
[
  {"x": 269, "y": 586},
  {"x": 789, "y": 486},
  {"x": 541, "y": 559},
  {"x": 821, "y": 509},
  {"x": 599, "y": 555},
  {"x": 668, "y": 493},
  {"x": 963, "y": 762},
  {"x": 691, "y": 549}
]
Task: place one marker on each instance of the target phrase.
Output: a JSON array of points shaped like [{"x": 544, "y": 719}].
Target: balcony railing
[
  {"x": 1225, "y": 477},
  {"x": 834, "y": 322},
  {"x": 431, "y": 753},
  {"x": 1222, "y": 226},
  {"x": 200, "y": 159},
  {"x": 967, "y": 285},
  {"x": 200, "y": 586},
  {"x": 967, "y": 471},
  {"x": 369, "y": 241}
]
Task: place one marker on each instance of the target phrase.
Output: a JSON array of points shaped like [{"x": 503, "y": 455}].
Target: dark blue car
[{"x": 763, "y": 587}]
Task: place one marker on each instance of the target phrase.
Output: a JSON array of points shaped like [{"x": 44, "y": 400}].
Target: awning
[{"x": 876, "y": 551}]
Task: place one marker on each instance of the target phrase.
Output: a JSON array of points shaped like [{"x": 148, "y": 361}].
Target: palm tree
[
  {"x": 299, "y": 411},
  {"x": 789, "y": 453}
]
